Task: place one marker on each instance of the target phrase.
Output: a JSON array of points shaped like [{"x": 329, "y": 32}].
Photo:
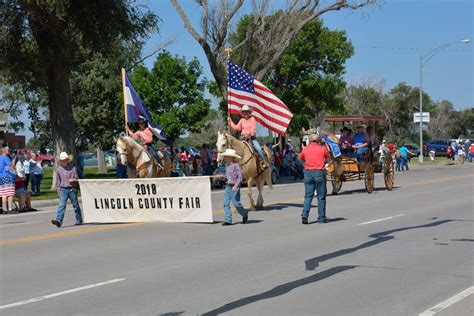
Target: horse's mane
[{"x": 129, "y": 141}]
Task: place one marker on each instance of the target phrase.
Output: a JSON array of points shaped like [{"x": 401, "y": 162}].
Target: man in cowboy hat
[
  {"x": 234, "y": 177},
  {"x": 314, "y": 156},
  {"x": 66, "y": 184},
  {"x": 247, "y": 127}
]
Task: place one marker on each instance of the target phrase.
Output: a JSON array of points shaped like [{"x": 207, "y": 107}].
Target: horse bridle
[{"x": 228, "y": 144}]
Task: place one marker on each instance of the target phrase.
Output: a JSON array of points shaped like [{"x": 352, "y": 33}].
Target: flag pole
[
  {"x": 228, "y": 52},
  {"x": 124, "y": 101}
]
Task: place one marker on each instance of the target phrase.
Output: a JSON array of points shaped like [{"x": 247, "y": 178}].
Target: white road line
[
  {"x": 40, "y": 298},
  {"x": 380, "y": 219},
  {"x": 450, "y": 301},
  {"x": 20, "y": 224}
]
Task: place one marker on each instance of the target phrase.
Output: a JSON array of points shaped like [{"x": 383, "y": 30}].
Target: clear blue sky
[
  {"x": 407, "y": 24},
  {"x": 403, "y": 29}
]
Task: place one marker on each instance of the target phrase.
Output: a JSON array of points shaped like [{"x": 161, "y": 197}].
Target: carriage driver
[
  {"x": 247, "y": 127},
  {"x": 145, "y": 136}
]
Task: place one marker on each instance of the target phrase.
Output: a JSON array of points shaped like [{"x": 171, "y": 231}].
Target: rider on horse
[
  {"x": 247, "y": 127},
  {"x": 145, "y": 136}
]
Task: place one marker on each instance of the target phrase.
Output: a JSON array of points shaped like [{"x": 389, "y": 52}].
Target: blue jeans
[
  {"x": 153, "y": 152},
  {"x": 360, "y": 153},
  {"x": 315, "y": 180},
  {"x": 258, "y": 148},
  {"x": 121, "y": 171},
  {"x": 64, "y": 195},
  {"x": 36, "y": 183},
  {"x": 404, "y": 163},
  {"x": 470, "y": 156},
  {"x": 398, "y": 163},
  {"x": 229, "y": 196}
]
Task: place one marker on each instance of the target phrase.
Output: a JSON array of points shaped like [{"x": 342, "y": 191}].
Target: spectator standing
[
  {"x": 278, "y": 160},
  {"x": 7, "y": 181},
  {"x": 314, "y": 157},
  {"x": 234, "y": 177},
  {"x": 36, "y": 174},
  {"x": 398, "y": 159},
  {"x": 470, "y": 153},
  {"x": 205, "y": 159},
  {"x": 80, "y": 162},
  {"x": 26, "y": 165},
  {"x": 66, "y": 184},
  {"x": 404, "y": 155}
]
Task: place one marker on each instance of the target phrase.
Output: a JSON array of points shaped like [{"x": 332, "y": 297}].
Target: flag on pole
[
  {"x": 135, "y": 109},
  {"x": 268, "y": 109}
]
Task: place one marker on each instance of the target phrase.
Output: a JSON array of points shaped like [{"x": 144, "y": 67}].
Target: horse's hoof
[{"x": 259, "y": 207}]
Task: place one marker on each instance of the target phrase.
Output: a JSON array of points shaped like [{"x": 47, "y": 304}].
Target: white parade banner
[{"x": 185, "y": 199}]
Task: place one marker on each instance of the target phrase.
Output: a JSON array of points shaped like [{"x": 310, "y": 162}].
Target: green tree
[
  {"x": 44, "y": 40},
  {"x": 173, "y": 91},
  {"x": 97, "y": 95},
  {"x": 308, "y": 78}
]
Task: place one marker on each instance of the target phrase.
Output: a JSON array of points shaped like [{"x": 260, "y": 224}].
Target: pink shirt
[
  {"x": 247, "y": 128},
  {"x": 146, "y": 136}
]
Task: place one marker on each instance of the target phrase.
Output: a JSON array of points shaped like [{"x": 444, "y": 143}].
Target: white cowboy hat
[
  {"x": 230, "y": 153},
  {"x": 246, "y": 108},
  {"x": 64, "y": 156}
]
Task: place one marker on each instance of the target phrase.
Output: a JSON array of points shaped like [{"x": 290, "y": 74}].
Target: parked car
[
  {"x": 439, "y": 146},
  {"x": 47, "y": 160},
  {"x": 220, "y": 182},
  {"x": 91, "y": 160}
]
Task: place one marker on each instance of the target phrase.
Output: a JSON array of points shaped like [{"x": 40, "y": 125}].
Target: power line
[{"x": 408, "y": 48}]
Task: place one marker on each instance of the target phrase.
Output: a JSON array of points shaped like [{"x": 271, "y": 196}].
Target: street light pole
[
  {"x": 423, "y": 60},
  {"x": 421, "y": 110}
]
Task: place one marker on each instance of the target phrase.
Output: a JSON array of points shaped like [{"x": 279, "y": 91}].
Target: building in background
[{"x": 10, "y": 139}]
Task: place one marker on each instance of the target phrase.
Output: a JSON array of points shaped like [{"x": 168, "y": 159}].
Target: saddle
[
  {"x": 260, "y": 162},
  {"x": 158, "y": 164}
]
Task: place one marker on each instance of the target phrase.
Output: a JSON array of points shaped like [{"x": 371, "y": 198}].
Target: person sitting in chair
[
  {"x": 247, "y": 127},
  {"x": 145, "y": 136}
]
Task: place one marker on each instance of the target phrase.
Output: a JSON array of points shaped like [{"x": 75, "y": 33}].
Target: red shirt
[
  {"x": 314, "y": 156},
  {"x": 471, "y": 149}
]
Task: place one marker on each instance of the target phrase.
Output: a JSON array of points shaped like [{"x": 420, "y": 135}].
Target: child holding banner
[
  {"x": 66, "y": 183},
  {"x": 234, "y": 176}
]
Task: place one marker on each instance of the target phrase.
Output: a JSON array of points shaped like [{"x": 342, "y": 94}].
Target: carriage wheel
[
  {"x": 389, "y": 173},
  {"x": 336, "y": 184},
  {"x": 369, "y": 178}
]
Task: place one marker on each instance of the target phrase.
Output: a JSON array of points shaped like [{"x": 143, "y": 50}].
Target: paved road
[{"x": 403, "y": 252}]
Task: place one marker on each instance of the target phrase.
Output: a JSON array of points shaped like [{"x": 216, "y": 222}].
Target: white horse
[
  {"x": 249, "y": 164},
  {"x": 139, "y": 162}
]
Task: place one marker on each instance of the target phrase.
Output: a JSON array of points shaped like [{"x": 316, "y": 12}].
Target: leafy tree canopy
[{"x": 173, "y": 90}]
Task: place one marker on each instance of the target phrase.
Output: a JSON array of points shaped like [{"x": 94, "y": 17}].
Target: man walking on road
[{"x": 314, "y": 157}]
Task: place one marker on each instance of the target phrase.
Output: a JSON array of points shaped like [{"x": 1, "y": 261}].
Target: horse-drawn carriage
[{"x": 342, "y": 168}]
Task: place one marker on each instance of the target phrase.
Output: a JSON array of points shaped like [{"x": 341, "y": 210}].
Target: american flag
[{"x": 268, "y": 109}]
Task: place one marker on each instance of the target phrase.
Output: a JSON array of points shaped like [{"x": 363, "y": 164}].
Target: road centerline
[
  {"x": 380, "y": 219},
  {"x": 450, "y": 301},
  {"x": 52, "y": 295}
]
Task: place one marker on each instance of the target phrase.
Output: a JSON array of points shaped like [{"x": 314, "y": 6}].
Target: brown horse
[
  {"x": 249, "y": 164},
  {"x": 139, "y": 162}
]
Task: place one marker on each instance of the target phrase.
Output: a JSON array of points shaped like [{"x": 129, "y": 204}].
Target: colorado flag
[{"x": 135, "y": 109}]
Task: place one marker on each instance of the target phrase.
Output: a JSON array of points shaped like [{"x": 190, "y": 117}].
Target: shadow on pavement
[
  {"x": 363, "y": 190},
  {"x": 331, "y": 220},
  {"x": 278, "y": 290}
]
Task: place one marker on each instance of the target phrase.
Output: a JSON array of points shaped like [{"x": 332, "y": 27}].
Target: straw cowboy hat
[
  {"x": 361, "y": 126},
  {"x": 246, "y": 108},
  {"x": 64, "y": 156},
  {"x": 230, "y": 153}
]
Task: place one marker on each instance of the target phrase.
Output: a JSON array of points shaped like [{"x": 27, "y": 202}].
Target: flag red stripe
[
  {"x": 273, "y": 128},
  {"x": 262, "y": 113},
  {"x": 233, "y": 95}
]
